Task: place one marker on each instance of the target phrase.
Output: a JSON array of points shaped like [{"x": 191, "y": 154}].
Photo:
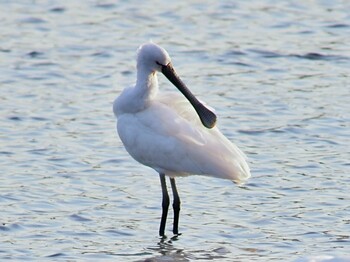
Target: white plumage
[
  {"x": 164, "y": 132},
  {"x": 169, "y": 133}
]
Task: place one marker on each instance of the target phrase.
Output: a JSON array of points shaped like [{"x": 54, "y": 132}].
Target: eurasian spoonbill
[{"x": 172, "y": 135}]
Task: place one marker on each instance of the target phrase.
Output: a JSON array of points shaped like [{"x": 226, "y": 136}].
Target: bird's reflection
[{"x": 167, "y": 251}]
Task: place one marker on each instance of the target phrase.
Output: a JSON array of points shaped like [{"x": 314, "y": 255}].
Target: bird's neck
[{"x": 147, "y": 84}]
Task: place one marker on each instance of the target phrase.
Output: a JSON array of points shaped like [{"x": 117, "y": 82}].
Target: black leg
[
  {"x": 165, "y": 204},
  {"x": 176, "y": 207}
]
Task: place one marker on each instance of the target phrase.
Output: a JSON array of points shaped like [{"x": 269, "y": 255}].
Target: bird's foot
[
  {"x": 176, "y": 236},
  {"x": 163, "y": 238}
]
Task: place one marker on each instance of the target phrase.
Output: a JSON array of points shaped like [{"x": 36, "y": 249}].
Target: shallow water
[{"x": 277, "y": 75}]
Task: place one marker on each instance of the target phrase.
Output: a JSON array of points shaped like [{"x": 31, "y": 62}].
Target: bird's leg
[
  {"x": 176, "y": 207},
  {"x": 165, "y": 205}
]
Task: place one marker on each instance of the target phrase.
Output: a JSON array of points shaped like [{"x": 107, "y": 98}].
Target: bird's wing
[{"x": 169, "y": 137}]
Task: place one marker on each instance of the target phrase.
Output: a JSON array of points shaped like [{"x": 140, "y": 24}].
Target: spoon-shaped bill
[{"x": 207, "y": 117}]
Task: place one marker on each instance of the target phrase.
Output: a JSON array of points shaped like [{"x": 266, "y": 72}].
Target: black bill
[{"x": 207, "y": 117}]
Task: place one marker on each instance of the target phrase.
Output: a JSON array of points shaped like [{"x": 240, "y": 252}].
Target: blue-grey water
[{"x": 277, "y": 73}]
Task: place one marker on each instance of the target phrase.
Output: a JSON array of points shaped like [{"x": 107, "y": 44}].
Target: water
[{"x": 275, "y": 71}]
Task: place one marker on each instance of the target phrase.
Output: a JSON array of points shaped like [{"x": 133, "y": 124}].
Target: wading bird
[{"x": 172, "y": 135}]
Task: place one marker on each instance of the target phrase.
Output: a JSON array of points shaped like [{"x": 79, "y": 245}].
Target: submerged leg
[
  {"x": 165, "y": 204},
  {"x": 176, "y": 207}
]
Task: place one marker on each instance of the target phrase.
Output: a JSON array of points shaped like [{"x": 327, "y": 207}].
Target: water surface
[{"x": 277, "y": 75}]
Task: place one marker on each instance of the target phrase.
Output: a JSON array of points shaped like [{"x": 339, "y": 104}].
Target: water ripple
[{"x": 275, "y": 71}]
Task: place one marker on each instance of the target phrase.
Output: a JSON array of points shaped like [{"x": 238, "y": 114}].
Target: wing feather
[{"x": 169, "y": 137}]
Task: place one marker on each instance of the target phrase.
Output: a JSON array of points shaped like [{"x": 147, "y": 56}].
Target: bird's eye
[{"x": 158, "y": 63}]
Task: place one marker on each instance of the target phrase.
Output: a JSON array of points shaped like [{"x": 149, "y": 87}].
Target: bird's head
[{"x": 151, "y": 57}]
